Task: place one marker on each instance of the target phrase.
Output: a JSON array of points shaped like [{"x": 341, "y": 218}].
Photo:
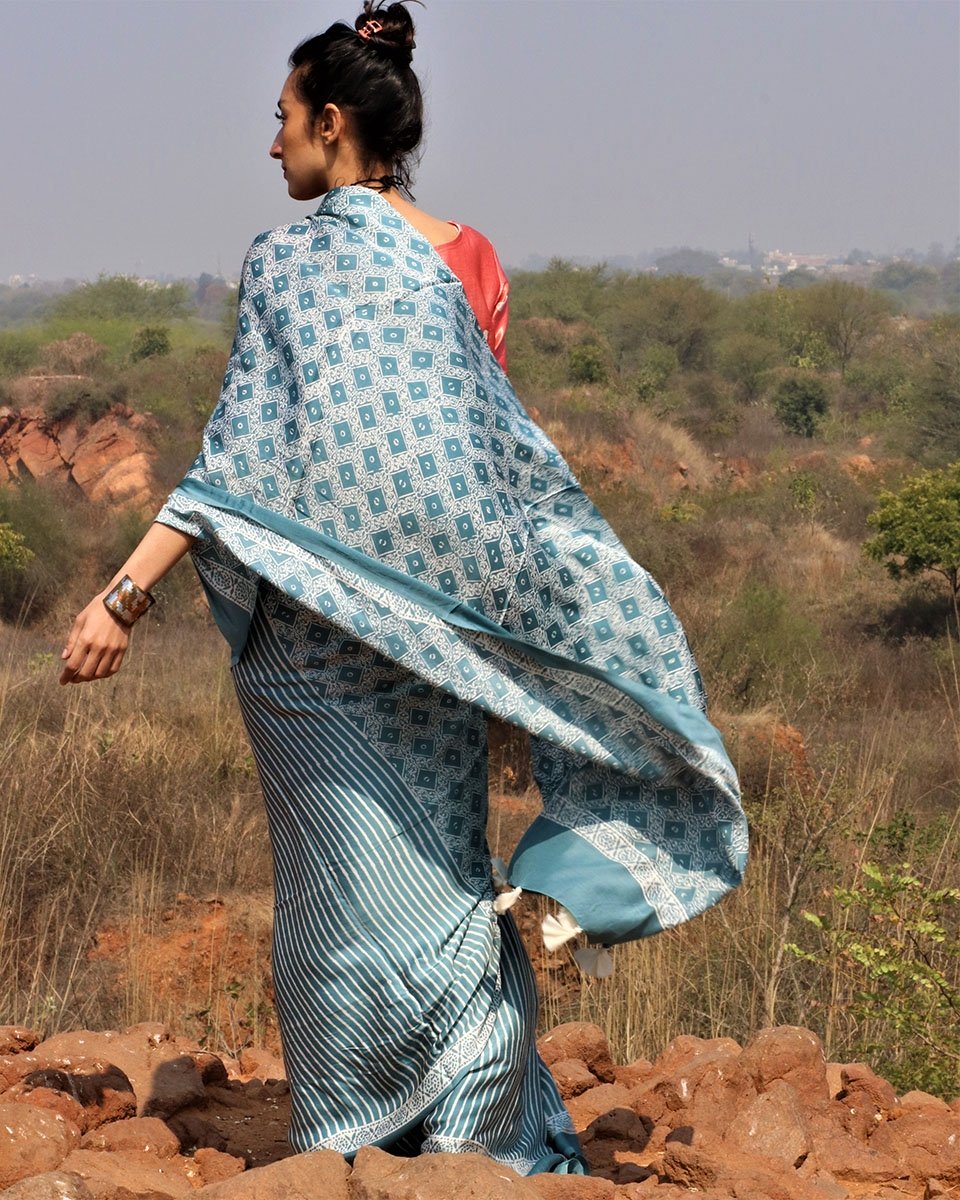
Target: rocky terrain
[
  {"x": 144, "y": 1113},
  {"x": 108, "y": 460}
]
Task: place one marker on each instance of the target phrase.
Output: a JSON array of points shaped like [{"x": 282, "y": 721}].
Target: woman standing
[{"x": 395, "y": 550}]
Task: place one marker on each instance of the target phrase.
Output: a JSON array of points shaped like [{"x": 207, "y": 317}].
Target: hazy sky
[{"x": 135, "y": 132}]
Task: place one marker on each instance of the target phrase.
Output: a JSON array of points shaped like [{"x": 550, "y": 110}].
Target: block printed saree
[{"x": 394, "y": 550}]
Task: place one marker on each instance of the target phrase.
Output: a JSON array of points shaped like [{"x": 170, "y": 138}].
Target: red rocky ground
[{"x": 142, "y": 1113}]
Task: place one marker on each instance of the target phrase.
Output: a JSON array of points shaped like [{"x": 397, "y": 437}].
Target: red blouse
[{"x": 474, "y": 261}]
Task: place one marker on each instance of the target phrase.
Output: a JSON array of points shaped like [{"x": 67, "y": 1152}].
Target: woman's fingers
[{"x": 95, "y": 647}]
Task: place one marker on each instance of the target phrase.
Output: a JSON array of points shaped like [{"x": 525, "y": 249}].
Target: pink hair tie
[{"x": 367, "y": 30}]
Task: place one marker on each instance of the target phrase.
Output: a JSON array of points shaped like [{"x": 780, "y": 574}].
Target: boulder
[
  {"x": 577, "y": 1040},
  {"x": 791, "y": 1054},
  {"x": 773, "y": 1125},
  {"x": 320, "y": 1175},
  {"x": 573, "y": 1077},
  {"x": 597, "y": 1102},
  {"x": 928, "y": 1143},
  {"x": 16, "y": 1038},
  {"x": 847, "y": 1158},
  {"x": 101, "y": 1090},
  {"x": 51, "y": 1185},
  {"x": 261, "y": 1064},
  {"x": 146, "y": 1135},
  {"x": 32, "y": 1141},
  {"x": 379, "y": 1176},
  {"x": 163, "y": 1079},
  {"x": 115, "y": 1176}
]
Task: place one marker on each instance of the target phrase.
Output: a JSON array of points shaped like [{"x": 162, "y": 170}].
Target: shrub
[
  {"x": 658, "y": 364},
  {"x": 84, "y": 400},
  {"x": 745, "y": 359},
  {"x": 150, "y": 341},
  {"x": 586, "y": 364},
  {"x": 76, "y": 355},
  {"x": 14, "y": 551},
  {"x": 800, "y": 404},
  {"x": 19, "y": 351}
]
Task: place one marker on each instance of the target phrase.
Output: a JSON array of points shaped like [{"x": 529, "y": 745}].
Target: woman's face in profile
[{"x": 300, "y": 152}]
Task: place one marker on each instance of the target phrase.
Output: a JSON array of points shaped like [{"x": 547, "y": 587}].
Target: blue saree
[{"x": 394, "y": 550}]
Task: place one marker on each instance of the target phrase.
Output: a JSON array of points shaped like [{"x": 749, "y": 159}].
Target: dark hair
[{"x": 368, "y": 75}]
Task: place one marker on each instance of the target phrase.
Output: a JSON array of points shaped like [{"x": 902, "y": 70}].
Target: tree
[
  {"x": 918, "y": 527},
  {"x": 115, "y": 297},
  {"x": 744, "y": 359},
  {"x": 845, "y": 314},
  {"x": 800, "y": 402}
]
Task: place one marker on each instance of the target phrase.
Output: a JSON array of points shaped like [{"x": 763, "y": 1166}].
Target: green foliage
[
  {"x": 15, "y": 554},
  {"x": 586, "y": 364},
  {"x": 150, "y": 341},
  {"x": 115, "y": 297},
  {"x": 41, "y": 517},
  {"x": 657, "y": 366},
  {"x": 19, "y": 351},
  {"x": 800, "y": 403},
  {"x": 896, "y": 936},
  {"x": 901, "y": 275},
  {"x": 918, "y": 527},
  {"x": 85, "y": 400},
  {"x": 745, "y": 359},
  {"x": 564, "y": 291},
  {"x": 804, "y": 493},
  {"x": 846, "y": 315}
]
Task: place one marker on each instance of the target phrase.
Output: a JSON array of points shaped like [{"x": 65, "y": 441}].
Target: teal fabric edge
[
  {"x": 555, "y": 862},
  {"x": 684, "y": 720}
]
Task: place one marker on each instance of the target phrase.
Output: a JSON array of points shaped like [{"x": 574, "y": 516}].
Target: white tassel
[
  {"x": 558, "y": 930},
  {"x": 506, "y": 900},
  {"x": 595, "y": 960}
]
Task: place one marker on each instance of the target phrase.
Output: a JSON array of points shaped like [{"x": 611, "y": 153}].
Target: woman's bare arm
[{"x": 98, "y": 640}]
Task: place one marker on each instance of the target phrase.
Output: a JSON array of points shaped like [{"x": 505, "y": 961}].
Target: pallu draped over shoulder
[{"x": 395, "y": 550}]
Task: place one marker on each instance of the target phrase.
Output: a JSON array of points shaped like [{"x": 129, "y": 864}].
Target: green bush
[
  {"x": 657, "y": 366},
  {"x": 85, "y": 400},
  {"x": 150, "y": 341},
  {"x": 19, "y": 351},
  {"x": 800, "y": 403},
  {"x": 586, "y": 364}
]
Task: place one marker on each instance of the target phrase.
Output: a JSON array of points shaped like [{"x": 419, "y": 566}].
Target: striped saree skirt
[{"x": 407, "y": 1008}]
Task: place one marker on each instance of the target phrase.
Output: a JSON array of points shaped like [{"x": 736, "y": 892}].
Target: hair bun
[{"x": 395, "y": 33}]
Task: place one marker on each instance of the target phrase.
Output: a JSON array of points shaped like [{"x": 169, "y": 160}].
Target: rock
[
  {"x": 704, "y": 1168},
  {"x": 867, "y": 1100},
  {"x": 51, "y": 1185},
  {"x": 685, "y": 1048},
  {"x": 212, "y": 1070},
  {"x": 834, "y": 1078},
  {"x": 597, "y": 1102},
  {"x": 163, "y": 1079},
  {"x": 789, "y": 1053},
  {"x": 928, "y": 1143},
  {"x": 572, "y": 1077},
  {"x": 215, "y": 1166},
  {"x": 262, "y": 1064},
  {"x": 147, "y": 1135},
  {"x": 847, "y": 1158},
  {"x": 16, "y": 1038},
  {"x": 13, "y": 1067},
  {"x": 923, "y": 1102},
  {"x": 110, "y": 461},
  {"x": 32, "y": 1141},
  {"x": 588, "y": 1043},
  {"x": 773, "y": 1125},
  {"x": 701, "y": 1083},
  {"x": 114, "y": 1176},
  {"x": 101, "y": 1089},
  {"x": 53, "y": 1101},
  {"x": 570, "y": 1187},
  {"x": 319, "y": 1175},
  {"x": 633, "y": 1073},
  {"x": 379, "y": 1176}
]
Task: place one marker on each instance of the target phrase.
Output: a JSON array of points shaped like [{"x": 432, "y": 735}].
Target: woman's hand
[{"x": 96, "y": 645}]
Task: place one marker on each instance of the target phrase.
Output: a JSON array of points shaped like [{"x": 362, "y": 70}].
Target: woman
[{"x": 394, "y": 550}]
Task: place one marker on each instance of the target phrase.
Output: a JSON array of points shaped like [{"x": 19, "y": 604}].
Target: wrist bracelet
[{"x": 126, "y": 601}]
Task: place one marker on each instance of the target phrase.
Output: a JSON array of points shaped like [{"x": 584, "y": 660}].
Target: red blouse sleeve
[{"x": 474, "y": 261}]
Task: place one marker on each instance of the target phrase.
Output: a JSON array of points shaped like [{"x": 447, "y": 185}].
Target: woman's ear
[{"x": 329, "y": 125}]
